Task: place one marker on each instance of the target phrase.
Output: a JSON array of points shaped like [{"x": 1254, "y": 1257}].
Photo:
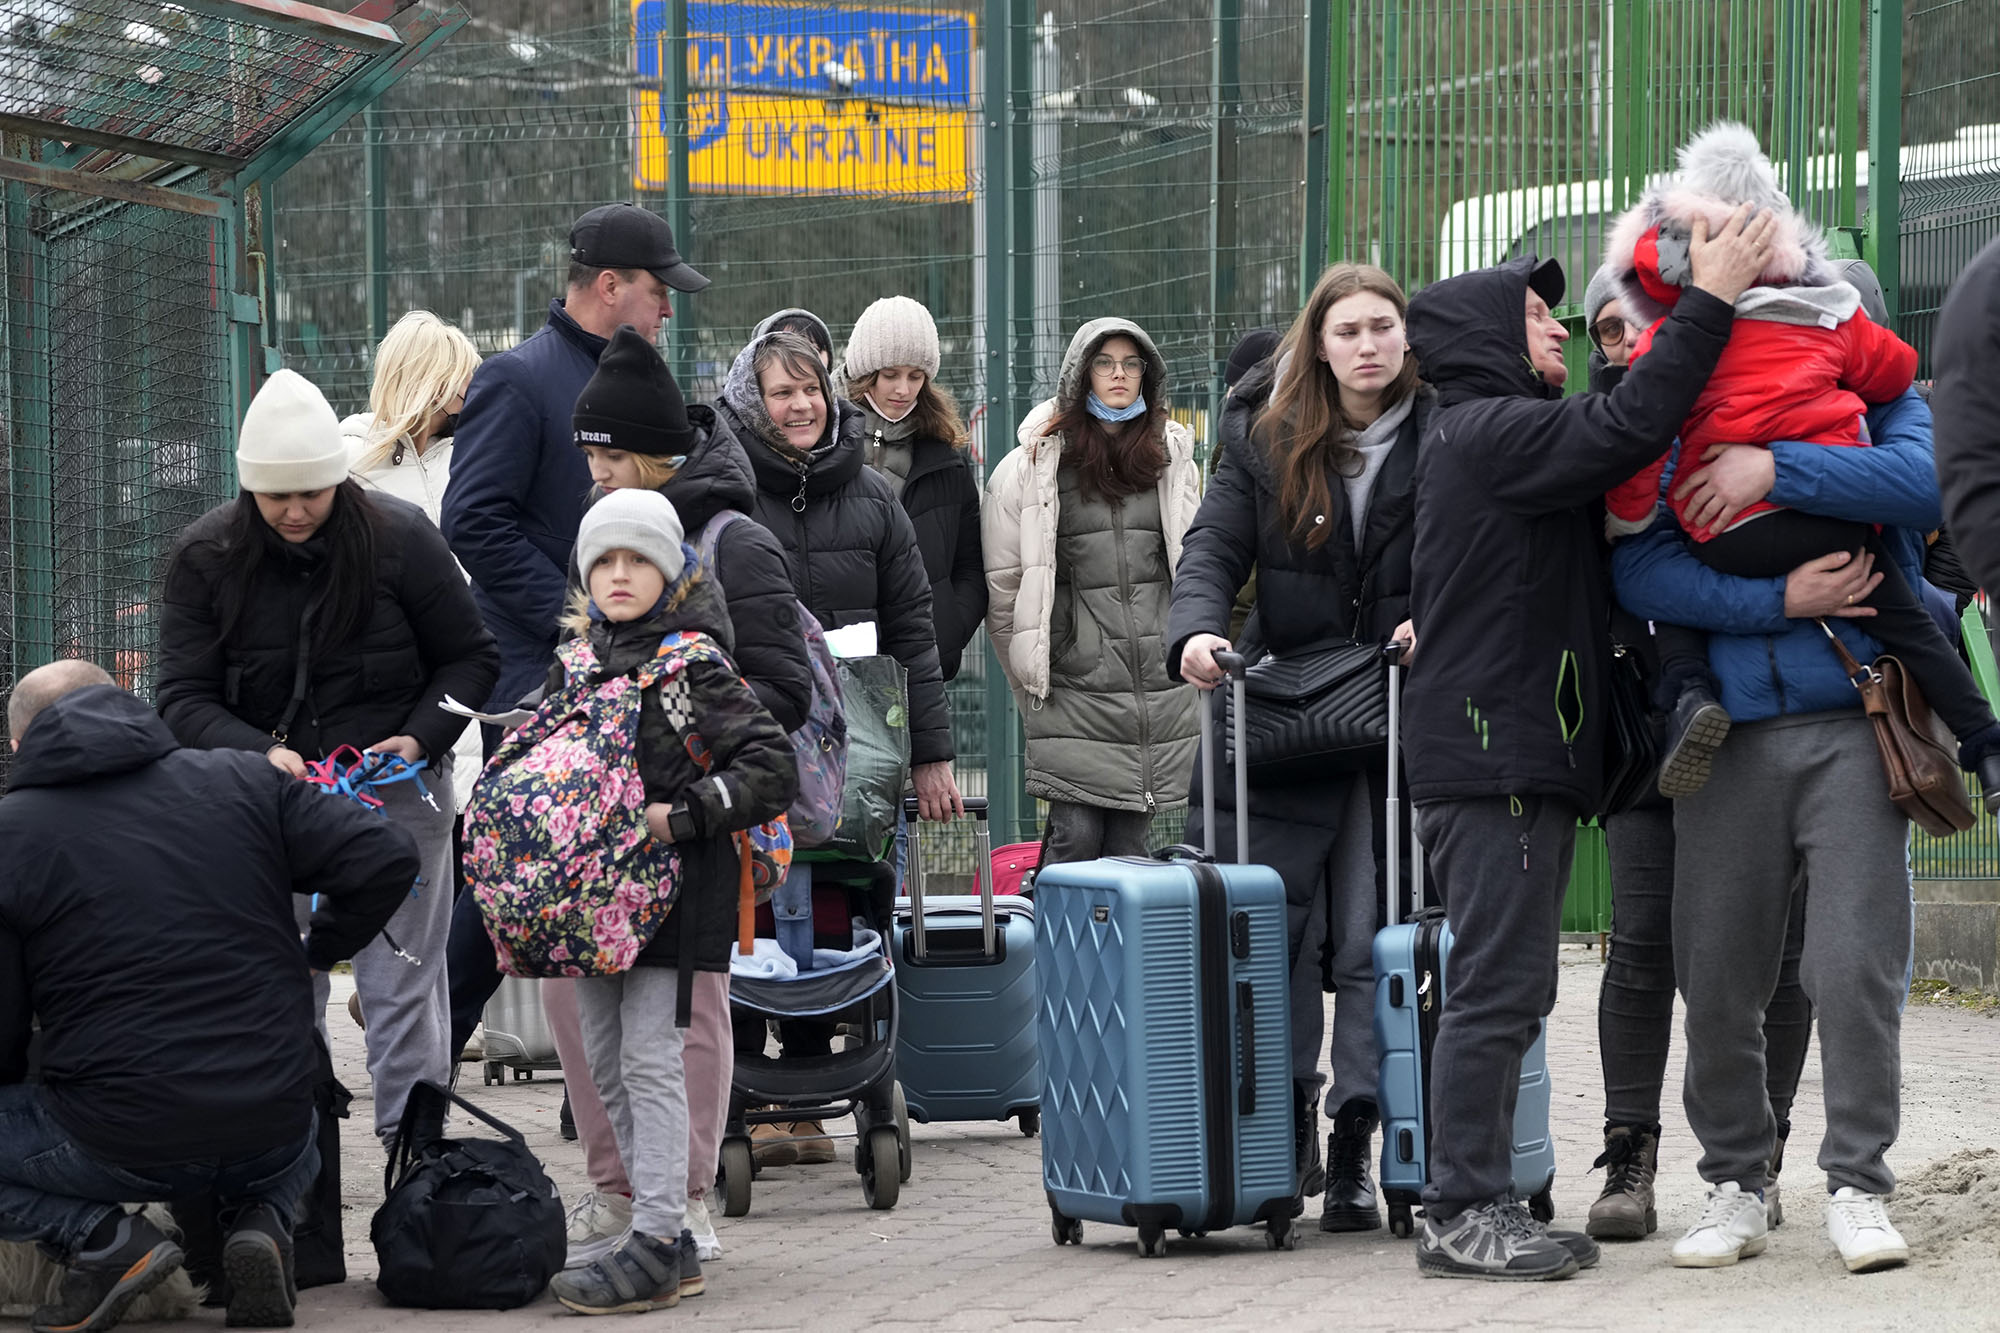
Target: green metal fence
[{"x": 135, "y": 139}]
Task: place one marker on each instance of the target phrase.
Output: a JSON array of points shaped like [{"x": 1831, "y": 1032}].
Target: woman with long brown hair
[
  {"x": 1314, "y": 492},
  {"x": 1082, "y": 528}
]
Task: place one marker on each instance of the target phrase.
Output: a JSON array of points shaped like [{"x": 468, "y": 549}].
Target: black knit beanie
[
  {"x": 1251, "y": 348},
  {"x": 632, "y": 403}
]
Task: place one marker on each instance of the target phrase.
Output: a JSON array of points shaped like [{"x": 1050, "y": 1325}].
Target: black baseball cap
[{"x": 628, "y": 236}]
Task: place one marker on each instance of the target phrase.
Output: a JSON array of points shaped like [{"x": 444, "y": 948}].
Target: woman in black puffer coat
[
  {"x": 915, "y": 440},
  {"x": 1315, "y": 493},
  {"x": 308, "y": 614}
]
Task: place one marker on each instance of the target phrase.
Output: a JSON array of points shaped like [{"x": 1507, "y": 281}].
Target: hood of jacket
[
  {"x": 95, "y": 732},
  {"x": 1072, "y": 382},
  {"x": 779, "y": 471},
  {"x": 717, "y": 475},
  {"x": 769, "y": 324},
  {"x": 1470, "y": 332}
]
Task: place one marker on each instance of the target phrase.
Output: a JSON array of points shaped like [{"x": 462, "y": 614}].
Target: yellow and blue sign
[{"x": 807, "y": 99}]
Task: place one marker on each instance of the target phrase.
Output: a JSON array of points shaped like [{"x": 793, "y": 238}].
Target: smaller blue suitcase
[
  {"x": 1409, "y": 999},
  {"x": 966, "y": 998},
  {"x": 1166, "y": 1040}
]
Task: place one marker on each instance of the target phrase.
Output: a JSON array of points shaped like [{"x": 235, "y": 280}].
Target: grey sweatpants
[
  {"x": 634, "y": 1051},
  {"x": 1085, "y": 832},
  {"x": 1344, "y": 907},
  {"x": 407, "y": 1004},
  {"x": 1501, "y": 865},
  {"x": 1793, "y": 791}
]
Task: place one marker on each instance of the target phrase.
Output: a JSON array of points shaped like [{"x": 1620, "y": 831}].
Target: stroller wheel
[
  {"x": 902, "y": 1132},
  {"x": 881, "y": 1169},
  {"x": 735, "y": 1170}
]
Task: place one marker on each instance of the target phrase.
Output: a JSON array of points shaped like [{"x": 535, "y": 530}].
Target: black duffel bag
[
  {"x": 469, "y": 1224},
  {"x": 1320, "y": 710}
]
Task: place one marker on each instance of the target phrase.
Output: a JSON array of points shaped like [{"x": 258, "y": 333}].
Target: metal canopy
[{"x": 239, "y": 86}]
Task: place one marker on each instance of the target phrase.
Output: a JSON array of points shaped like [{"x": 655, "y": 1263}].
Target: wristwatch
[{"x": 680, "y": 823}]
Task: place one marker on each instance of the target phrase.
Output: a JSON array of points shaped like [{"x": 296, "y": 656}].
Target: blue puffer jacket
[
  {"x": 1766, "y": 664},
  {"x": 519, "y": 486}
]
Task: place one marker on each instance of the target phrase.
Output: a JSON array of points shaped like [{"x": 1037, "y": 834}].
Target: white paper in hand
[
  {"x": 509, "y": 719},
  {"x": 853, "y": 640}
]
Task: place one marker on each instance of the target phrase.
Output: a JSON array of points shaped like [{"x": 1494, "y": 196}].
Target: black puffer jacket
[
  {"x": 423, "y": 640},
  {"x": 942, "y": 501},
  {"x": 749, "y": 565},
  {"x": 752, "y": 780},
  {"x": 1305, "y": 596},
  {"x": 850, "y": 548},
  {"x": 1506, "y": 695}
]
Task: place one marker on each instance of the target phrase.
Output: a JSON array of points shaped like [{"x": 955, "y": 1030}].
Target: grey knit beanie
[
  {"x": 1601, "y": 292},
  {"x": 632, "y": 519},
  {"x": 894, "y": 331}
]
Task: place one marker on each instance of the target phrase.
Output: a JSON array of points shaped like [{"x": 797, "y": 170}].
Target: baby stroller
[{"x": 839, "y": 920}]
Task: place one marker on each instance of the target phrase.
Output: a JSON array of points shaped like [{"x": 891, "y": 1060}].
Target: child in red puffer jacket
[{"x": 1803, "y": 363}]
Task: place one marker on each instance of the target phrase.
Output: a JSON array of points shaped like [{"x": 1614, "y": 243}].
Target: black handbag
[
  {"x": 1633, "y": 743},
  {"x": 469, "y": 1224},
  {"x": 1324, "y": 709}
]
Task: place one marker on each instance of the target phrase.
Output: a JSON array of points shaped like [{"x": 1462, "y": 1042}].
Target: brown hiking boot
[
  {"x": 1630, "y": 1159},
  {"x": 772, "y": 1145},
  {"x": 815, "y": 1148}
]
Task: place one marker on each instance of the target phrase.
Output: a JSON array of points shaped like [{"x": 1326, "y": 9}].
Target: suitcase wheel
[
  {"x": 881, "y": 1167},
  {"x": 523, "y": 1075},
  {"x": 1400, "y": 1223},
  {"x": 1030, "y": 1121},
  {"x": 1543, "y": 1206},
  {"x": 735, "y": 1168},
  {"x": 494, "y": 1072},
  {"x": 1065, "y": 1230},
  {"x": 1280, "y": 1234},
  {"x": 1152, "y": 1242}
]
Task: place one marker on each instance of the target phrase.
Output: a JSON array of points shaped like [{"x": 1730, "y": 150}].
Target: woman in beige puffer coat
[{"x": 1082, "y": 527}]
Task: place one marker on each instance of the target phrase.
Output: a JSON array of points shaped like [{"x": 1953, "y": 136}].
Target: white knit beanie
[
  {"x": 632, "y": 519},
  {"x": 894, "y": 331},
  {"x": 290, "y": 439}
]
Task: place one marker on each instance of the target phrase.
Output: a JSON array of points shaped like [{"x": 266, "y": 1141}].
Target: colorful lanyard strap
[{"x": 349, "y": 772}]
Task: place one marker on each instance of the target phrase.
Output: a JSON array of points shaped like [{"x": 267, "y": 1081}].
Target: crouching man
[{"x": 146, "y": 920}]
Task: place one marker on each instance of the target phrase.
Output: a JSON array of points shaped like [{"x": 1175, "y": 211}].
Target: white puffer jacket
[{"x": 420, "y": 479}]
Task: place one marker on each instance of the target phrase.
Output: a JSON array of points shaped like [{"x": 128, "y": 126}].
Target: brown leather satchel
[{"x": 1918, "y": 751}]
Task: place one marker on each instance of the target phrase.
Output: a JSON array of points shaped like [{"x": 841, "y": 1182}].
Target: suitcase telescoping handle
[
  {"x": 982, "y": 874},
  {"x": 1233, "y": 666},
  {"x": 1392, "y": 886}
]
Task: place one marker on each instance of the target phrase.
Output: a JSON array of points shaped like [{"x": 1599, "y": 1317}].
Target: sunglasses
[{"x": 1610, "y": 332}]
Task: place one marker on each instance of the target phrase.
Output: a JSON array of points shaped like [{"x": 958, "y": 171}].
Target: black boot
[
  {"x": 1350, "y": 1203},
  {"x": 565, "y": 1122},
  {"x": 1697, "y": 727},
  {"x": 1305, "y": 1143}
]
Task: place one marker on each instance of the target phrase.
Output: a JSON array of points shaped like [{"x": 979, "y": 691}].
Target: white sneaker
[
  {"x": 707, "y": 1245},
  {"x": 597, "y": 1223},
  {"x": 1861, "y": 1231},
  {"x": 1732, "y": 1226}
]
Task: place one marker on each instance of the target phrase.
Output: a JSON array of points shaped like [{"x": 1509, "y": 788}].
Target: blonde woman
[{"x": 401, "y": 446}]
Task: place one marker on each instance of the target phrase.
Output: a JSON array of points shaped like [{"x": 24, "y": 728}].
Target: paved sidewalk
[{"x": 968, "y": 1247}]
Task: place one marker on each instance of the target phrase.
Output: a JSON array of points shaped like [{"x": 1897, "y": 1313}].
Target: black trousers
[{"x": 1775, "y": 544}]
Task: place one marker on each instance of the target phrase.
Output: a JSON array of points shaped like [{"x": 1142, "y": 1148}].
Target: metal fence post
[
  {"x": 680, "y": 194},
  {"x": 30, "y": 491},
  {"x": 1321, "y": 138},
  {"x": 1224, "y": 99},
  {"x": 1003, "y": 772},
  {"x": 1885, "y": 149},
  {"x": 376, "y": 189}
]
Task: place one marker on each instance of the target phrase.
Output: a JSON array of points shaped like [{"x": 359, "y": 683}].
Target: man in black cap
[
  {"x": 518, "y": 484},
  {"x": 1503, "y": 728}
]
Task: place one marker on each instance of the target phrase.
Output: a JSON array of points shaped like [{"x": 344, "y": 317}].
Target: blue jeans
[{"x": 52, "y": 1191}]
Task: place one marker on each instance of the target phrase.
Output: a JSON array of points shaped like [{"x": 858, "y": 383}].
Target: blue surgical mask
[{"x": 1098, "y": 408}]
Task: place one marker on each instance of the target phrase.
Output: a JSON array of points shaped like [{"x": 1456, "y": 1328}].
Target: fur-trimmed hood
[{"x": 1721, "y": 168}]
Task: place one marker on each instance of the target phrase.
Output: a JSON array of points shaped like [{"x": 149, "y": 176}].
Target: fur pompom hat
[{"x": 1722, "y": 168}]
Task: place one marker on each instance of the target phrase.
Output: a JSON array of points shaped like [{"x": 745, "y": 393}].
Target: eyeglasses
[
  {"x": 1611, "y": 331},
  {"x": 1131, "y": 365}
]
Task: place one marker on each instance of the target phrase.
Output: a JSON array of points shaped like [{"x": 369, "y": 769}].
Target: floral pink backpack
[{"x": 568, "y": 879}]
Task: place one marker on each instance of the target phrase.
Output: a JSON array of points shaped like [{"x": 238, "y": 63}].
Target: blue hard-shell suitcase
[
  {"x": 1409, "y": 999},
  {"x": 1166, "y": 1036},
  {"x": 967, "y": 998}
]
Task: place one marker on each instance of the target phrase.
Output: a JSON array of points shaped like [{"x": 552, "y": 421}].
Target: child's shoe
[
  {"x": 1980, "y": 755},
  {"x": 692, "y": 1282},
  {"x": 1697, "y": 728},
  {"x": 708, "y": 1245},
  {"x": 643, "y": 1273}
]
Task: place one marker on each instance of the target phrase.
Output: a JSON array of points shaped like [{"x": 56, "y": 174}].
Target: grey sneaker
[
  {"x": 1496, "y": 1241},
  {"x": 692, "y": 1282},
  {"x": 643, "y": 1273},
  {"x": 124, "y": 1258}
]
